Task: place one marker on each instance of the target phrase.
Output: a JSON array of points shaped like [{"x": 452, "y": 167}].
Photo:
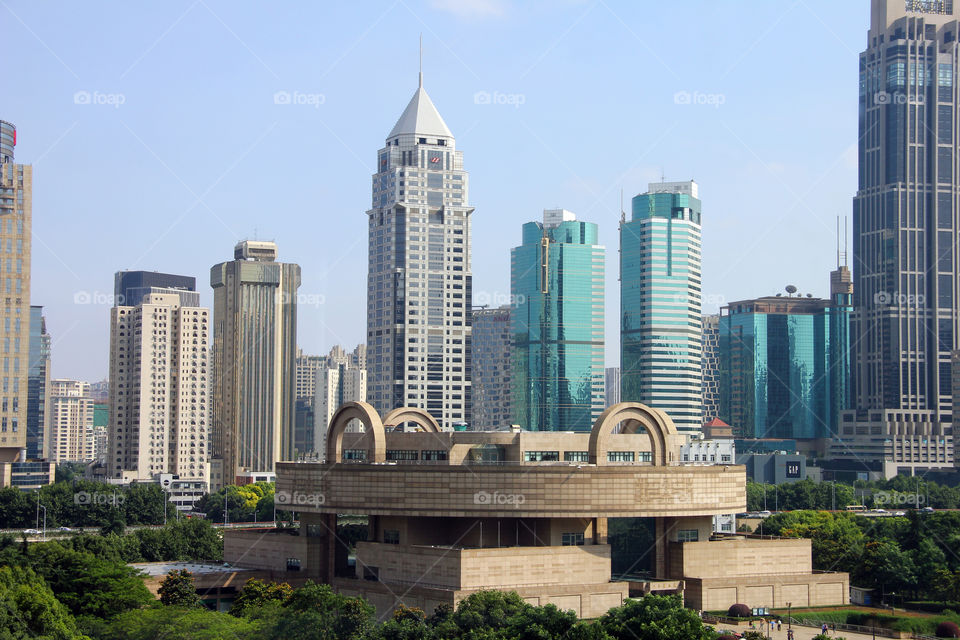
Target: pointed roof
[
  {"x": 716, "y": 422},
  {"x": 421, "y": 117}
]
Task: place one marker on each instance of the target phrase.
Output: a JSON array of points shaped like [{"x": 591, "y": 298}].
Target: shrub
[
  {"x": 739, "y": 611},
  {"x": 947, "y": 629}
]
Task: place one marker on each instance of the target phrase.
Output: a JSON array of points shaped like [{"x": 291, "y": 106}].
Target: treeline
[
  {"x": 916, "y": 556},
  {"x": 898, "y": 493}
]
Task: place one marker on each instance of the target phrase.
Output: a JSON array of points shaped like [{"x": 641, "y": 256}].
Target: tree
[
  {"x": 654, "y": 618},
  {"x": 257, "y": 593},
  {"x": 316, "y": 612},
  {"x": 480, "y": 611},
  {"x": 114, "y": 524},
  {"x": 177, "y": 589},
  {"x": 28, "y": 608},
  {"x": 175, "y": 623},
  {"x": 405, "y": 624}
]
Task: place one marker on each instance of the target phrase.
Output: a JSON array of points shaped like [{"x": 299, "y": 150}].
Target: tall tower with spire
[{"x": 419, "y": 285}]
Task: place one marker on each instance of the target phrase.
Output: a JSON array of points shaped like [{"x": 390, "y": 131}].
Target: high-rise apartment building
[
  {"x": 418, "y": 279},
  {"x": 254, "y": 362},
  {"x": 490, "y": 358},
  {"x": 129, "y": 287},
  {"x": 660, "y": 302},
  {"x": 905, "y": 224},
  {"x": 16, "y": 206},
  {"x": 38, "y": 387},
  {"x": 159, "y": 389},
  {"x": 557, "y": 289},
  {"x": 71, "y": 421},
  {"x": 307, "y": 367},
  {"x": 340, "y": 379},
  {"x": 710, "y": 367}
]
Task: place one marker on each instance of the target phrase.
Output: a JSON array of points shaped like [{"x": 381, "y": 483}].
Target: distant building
[
  {"x": 254, "y": 362},
  {"x": 159, "y": 389},
  {"x": 785, "y": 367},
  {"x": 774, "y": 468},
  {"x": 341, "y": 379},
  {"x": 491, "y": 369},
  {"x": 101, "y": 429},
  {"x": 100, "y": 391},
  {"x": 307, "y": 367},
  {"x": 611, "y": 386},
  {"x": 38, "y": 387},
  {"x": 710, "y": 367},
  {"x": 129, "y": 287},
  {"x": 71, "y": 421},
  {"x": 557, "y": 288},
  {"x": 660, "y": 303}
]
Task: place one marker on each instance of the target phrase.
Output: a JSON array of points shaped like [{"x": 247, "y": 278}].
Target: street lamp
[
  {"x": 44, "y": 521},
  {"x": 789, "y": 605}
]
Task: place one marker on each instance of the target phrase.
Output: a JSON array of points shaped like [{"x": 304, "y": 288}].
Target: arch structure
[
  {"x": 368, "y": 416},
  {"x": 635, "y": 416},
  {"x": 418, "y": 416}
]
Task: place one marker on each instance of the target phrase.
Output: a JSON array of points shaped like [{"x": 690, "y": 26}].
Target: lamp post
[
  {"x": 44, "y": 521},
  {"x": 224, "y": 507},
  {"x": 789, "y": 606}
]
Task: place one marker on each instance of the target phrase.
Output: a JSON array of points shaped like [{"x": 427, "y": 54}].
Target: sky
[{"x": 163, "y": 133}]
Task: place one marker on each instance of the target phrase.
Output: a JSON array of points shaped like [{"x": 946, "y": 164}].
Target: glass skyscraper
[
  {"x": 660, "y": 301},
  {"x": 491, "y": 369},
  {"x": 784, "y": 363},
  {"x": 556, "y": 319},
  {"x": 418, "y": 277},
  {"x": 38, "y": 385},
  {"x": 905, "y": 226}
]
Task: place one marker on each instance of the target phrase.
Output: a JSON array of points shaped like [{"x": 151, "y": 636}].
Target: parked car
[
  {"x": 927, "y": 510},
  {"x": 31, "y": 532},
  {"x": 65, "y": 529}
]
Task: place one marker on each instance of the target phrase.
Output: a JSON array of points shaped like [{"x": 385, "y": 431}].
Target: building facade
[
  {"x": 784, "y": 361},
  {"x": 38, "y": 387},
  {"x": 159, "y": 389},
  {"x": 307, "y": 367},
  {"x": 905, "y": 226},
  {"x": 16, "y": 210},
  {"x": 710, "y": 367},
  {"x": 491, "y": 369},
  {"x": 556, "y": 320},
  {"x": 71, "y": 421},
  {"x": 254, "y": 362},
  {"x": 419, "y": 284},
  {"x": 129, "y": 287},
  {"x": 660, "y": 303},
  {"x": 611, "y": 386},
  {"x": 340, "y": 380}
]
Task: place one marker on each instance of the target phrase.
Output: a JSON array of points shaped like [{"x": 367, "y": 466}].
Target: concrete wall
[
  {"x": 740, "y": 557},
  {"x": 801, "y": 590}
]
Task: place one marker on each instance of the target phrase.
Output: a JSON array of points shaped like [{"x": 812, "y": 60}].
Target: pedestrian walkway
[{"x": 799, "y": 632}]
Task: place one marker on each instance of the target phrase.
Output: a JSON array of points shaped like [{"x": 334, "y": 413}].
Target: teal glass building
[
  {"x": 660, "y": 303},
  {"x": 785, "y": 363},
  {"x": 556, "y": 324}
]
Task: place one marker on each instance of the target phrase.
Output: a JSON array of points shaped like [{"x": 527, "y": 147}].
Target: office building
[
  {"x": 101, "y": 430},
  {"x": 784, "y": 361},
  {"x": 129, "y": 287},
  {"x": 557, "y": 289},
  {"x": 159, "y": 389},
  {"x": 710, "y": 367},
  {"x": 419, "y": 280},
  {"x": 905, "y": 226},
  {"x": 611, "y": 386},
  {"x": 38, "y": 387},
  {"x": 70, "y": 422},
  {"x": 16, "y": 208},
  {"x": 491, "y": 369},
  {"x": 254, "y": 362},
  {"x": 341, "y": 379},
  {"x": 443, "y": 527},
  {"x": 660, "y": 303}
]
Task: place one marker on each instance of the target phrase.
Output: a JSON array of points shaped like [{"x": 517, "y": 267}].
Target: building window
[
  {"x": 620, "y": 456},
  {"x": 391, "y": 536},
  {"x": 724, "y": 458},
  {"x": 403, "y": 454},
  {"x": 293, "y": 564},
  {"x": 434, "y": 454},
  {"x": 355, "y": 454},
  {"x": 576, "y": 456},
  {"x": 688, "y": 535},
  {"x": 572, "y": 539},
  {"x": 541, "y": 456},
  {"x": 645, "y": 456}
]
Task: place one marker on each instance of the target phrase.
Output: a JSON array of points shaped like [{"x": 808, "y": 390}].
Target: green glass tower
[
  {"x": 556, "y": 358},
  {"x": 660, "y": 301}
]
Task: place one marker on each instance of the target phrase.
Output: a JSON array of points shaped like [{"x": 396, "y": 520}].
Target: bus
[{"x": 856, "y": 507}]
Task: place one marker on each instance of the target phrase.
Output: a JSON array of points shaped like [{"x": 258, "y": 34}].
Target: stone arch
[
  {"x": 634, "y": 415},
  {"x": 412, "y": 414},
  {"x": 368, "y": 416}
]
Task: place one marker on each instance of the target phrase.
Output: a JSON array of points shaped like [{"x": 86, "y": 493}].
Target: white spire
[{"x": 421, "y": 117}]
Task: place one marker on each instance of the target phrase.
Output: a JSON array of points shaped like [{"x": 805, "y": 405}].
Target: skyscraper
[
  {"x": 341, "y": 378},
  {"x": 129, "y": 287},
  {"x": 557, "y": 289},
  {"x": 254, "y": 362},
  {"x": 71, "y": 421},
  {"x": 418, "y": 278},
  {"x": 611, "y": 386},
  {"x": 159, "y": 389},
  {"x": 905, "y": 226},
  {"x": 784, "y": 363},
  {"x": 660, "y": 331},
  {"x": 38, "y": 387},
  {"x": 710, "y": 367},
  {"x": 491, "y": 369},
  {"x": 16, "y": 207}
]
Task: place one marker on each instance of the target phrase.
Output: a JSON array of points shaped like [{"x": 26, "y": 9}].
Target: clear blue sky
[{"x": 199, "y": 156}]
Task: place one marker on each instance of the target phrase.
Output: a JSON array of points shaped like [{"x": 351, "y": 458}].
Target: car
[
  {"x": 764, "y": 513},
  {"x": 31, "y": 532},
  {"x": 899, "y": 513},
  {"x": 879, "y": 510},
  {"x": 927, "y": 510},
  {"x": 65, "y": 529}
]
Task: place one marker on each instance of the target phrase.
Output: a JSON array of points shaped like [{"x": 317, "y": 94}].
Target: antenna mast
[{"x": 421, "y": 61}]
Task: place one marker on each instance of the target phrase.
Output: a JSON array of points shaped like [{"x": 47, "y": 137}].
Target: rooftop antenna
[
  {"x": 663, "y": 176},
  {"x": 623, "y": 214},
  {"x": 421, "y": 61}
]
